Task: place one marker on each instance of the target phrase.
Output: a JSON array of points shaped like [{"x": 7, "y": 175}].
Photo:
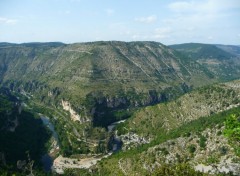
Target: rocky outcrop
[
  {"x": 217, "y": 156},
  {"x": 132, "y": 140},
  {"x": 67, "y": 107}
]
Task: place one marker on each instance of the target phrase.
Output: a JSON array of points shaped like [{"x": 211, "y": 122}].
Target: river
[
  {"x": 112, "y": 125},
  {"x": 117, "y": 143},
  {"x": 47, "y": 160}
]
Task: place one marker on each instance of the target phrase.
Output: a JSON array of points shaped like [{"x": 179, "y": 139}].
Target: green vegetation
[
  {"x": 60, "y": 120},
  {"x": 232, "y": 131},
  {"x": 201, "y": 51},
  {"x": 181, "y": 169},
  {"x": 192, "y": 148},
  {"x": 213, "y": 58},
  {"x": 202, "y": 141},
  {"x": 22, "y": 136},
  {"x": 212, "y": 159},
  {"x": 138, "y": 155},
  {"x": 5, "y": 105},
  {"x": 195, "y": 126},
  {"x": 105, "y": 82},
  {"x": 161, "y": 118}
]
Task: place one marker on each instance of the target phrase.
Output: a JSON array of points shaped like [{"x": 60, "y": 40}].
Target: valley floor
[{"x": 61, "y": 163}]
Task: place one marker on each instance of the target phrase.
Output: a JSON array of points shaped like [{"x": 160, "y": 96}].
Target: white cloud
[
  {"x": 205, "y": 6},
  {"x": 7, "y": 21},
  {"x": 135, "y": 36},
  {"x": 210, "y": 38},
  {"x": 157, "y": 34},
  {"x": 149, "y": 19},
  {"x": 190, "y": 18},
  {"x": 180, "y": 6},
  {"x": 141, "y": 37},
  {"x": 190, "y": 28},
  {"x": 110, "y": 11},
  {"x": 118, "y": 27},
  {"x": 161, "y": 33}
]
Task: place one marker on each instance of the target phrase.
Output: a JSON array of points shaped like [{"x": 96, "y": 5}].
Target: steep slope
[
  {"x": 222, "y": 60},
  {"x": 100, "y": 72},
  {"x": 200, "y": 143},
  {"x": 84, "y": 87},
  {"x": 235, "y": 50},
  {"x": 202, "y": 51},
  {"x": 150, "y": 121},
  {"x": 23, "y": 137},
  {"x": 90, "y": 67}
]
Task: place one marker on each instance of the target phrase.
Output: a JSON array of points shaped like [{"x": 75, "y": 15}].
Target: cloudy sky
[{"x": 165, "y": 21}]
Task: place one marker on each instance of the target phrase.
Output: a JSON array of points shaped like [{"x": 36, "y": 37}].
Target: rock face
[
  {"x": 74, "y": 116},
  {"x": 132, "y": 140}
]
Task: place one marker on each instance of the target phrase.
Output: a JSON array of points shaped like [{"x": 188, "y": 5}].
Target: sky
[{"x": 165, "y": 21}]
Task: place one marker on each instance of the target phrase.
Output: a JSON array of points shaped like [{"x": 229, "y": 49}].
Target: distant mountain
[
  {"x": 235, "y": 50},
  {"x": 218, "y": 59},
  {"x": 203, "y": 51}
]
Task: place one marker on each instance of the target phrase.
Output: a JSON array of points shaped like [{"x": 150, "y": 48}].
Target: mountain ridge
[
  {"x": 82, "y": 88},
  {"x": 100, "y": 80}
]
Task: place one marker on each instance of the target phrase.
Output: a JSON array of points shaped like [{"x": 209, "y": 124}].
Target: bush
[
  {"x": 202, "y": 142},
  {"x": 182, "y": 169},
  {"x": 192, "y": 148},
  {"x": 232, "y": 131},
  {"x": 232, "y": 127},
  {"x": 223, "y": 150}
]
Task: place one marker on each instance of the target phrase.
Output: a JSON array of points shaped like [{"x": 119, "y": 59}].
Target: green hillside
[
  {"x": 96, "y": 80},
  {"x": 84, "y": 87},
  {"x": 207, "y": 138},
  {"x": 221, "y": 60},
  {"x": 202, "y": 51},
  {"x": 163, "y": 117},
  {"x": 23, "y": 137}
]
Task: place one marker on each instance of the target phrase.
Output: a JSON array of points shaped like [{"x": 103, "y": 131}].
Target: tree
[{"x": 232, "y": 131}]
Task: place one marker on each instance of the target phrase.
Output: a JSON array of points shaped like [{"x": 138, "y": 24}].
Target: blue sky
[{"x": 165, "y": 21}]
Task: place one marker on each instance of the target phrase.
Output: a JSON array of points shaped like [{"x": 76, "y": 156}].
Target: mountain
[
  {"x": 195, "y": 140},
  {"x": 218, "y": 59},
  {"x": 235, "y": 50},
  {"x": 84, "y": 87},
  {"x": 150, "y": 121},
  {"x": 203, "y": 51}
]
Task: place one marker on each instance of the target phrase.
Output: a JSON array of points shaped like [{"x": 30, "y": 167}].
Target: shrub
[
  {"x": 223, "y": 150},
  {"x": 202, "y": 142},
  {"x": 182, "y": 169},
  {"x": 192, "y": 148},
  {"x": 232, "y": 131}
]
